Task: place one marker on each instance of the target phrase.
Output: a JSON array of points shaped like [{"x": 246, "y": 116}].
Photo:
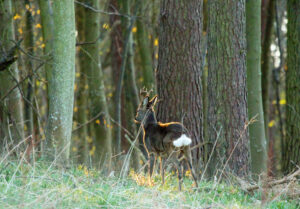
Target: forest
[{"x": 149, "y": 104}]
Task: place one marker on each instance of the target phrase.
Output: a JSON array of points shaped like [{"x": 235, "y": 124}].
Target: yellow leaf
[
  {"x": 77, "y": 75},
  {"x": 89, "y": 139},
  {"x": 282, "y": 102},
  {"x": 105, "y": 26},
  {"x": 27, "y": 6},
  {"x": 38, "y": 25},
  {"x": 37, "y": 82},
  {"x": 75, "y": 109},
  {"x": 156, "y": 42},
  {"x": 98, "y": 122},
  {"x": 134, "y": 29},
  {"x": 17, "y": 16},
  {"x": 38, "y": 11},
  {"x": 86, "y": 87},
  {"x": 74, "y": 149},
  {"x": 271, "y": 123},
  {"x": 20, "y": 30},
  {"x": 43, "y": 45},
  {"x": 156, "y": 55}
]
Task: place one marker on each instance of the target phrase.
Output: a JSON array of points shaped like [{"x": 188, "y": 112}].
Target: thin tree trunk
[
  {"x": 61, "y": 79},
  {"x": 81, "y": 142},
  {"x": 11, "y": 118},
  {"x": 227, "y": 95},
  {"x": 144, "y": 49},
  {"x": 267, "y": 30},
  {"x": 29, "y": 44},
  {"x": 255, "y": 108},
  {"x": 180, "y": 67},
  {"x": 131, "y": 96},
  {"x": 47, "y": 31},
  {"x": 291, "y": 143},
  {"x": 95, "y": 81}
]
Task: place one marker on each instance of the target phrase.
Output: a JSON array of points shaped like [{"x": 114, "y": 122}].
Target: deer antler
[{"x": 144, "y": 92}]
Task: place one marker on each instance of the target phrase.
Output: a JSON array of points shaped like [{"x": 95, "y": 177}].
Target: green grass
[{"x": 43, "y": 186}]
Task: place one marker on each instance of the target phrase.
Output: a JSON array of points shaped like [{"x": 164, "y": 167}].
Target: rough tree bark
[
  {"x": 179, "y": 68},
  {"x": 255, "y": 108},
  {"x": 291, "y": 143},
  {"x": 11, "y": 118},
  {"x": 227, "y": 114},
  {"x": 61, "y": 79}
]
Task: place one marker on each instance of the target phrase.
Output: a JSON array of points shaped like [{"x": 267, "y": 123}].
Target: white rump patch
[{"x": 183, "y": 140}]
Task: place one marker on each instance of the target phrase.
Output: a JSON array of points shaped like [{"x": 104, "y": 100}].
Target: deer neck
[{"x": 150, "y": 119}]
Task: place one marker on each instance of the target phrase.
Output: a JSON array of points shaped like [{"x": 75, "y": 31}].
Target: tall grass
[{"x": 43, "y": 185}]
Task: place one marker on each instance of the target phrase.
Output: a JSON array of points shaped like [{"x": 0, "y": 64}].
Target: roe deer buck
[{"x": 169, "y": 141}]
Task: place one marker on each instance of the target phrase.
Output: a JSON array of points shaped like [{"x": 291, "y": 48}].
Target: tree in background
[
  {"x": 11, "y": 115},
  {"x": 144, "y": 47},
  {"x": 180, "y": 67},
  {"x": 102, "y": 130},
  {"x": 227, "y": 95},
  {"x": 255, "y": 109},
  {"x": 61, "y": 79},
  {"x": 291, "y": 143}
]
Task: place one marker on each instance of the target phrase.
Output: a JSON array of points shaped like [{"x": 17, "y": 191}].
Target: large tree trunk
[
  {"x": 255, "y": 108},
  {"x": 227, "y": 114},
  {"x": 291, "y": 145},
  {"x": 61, "y": 79},
  {"x": 96, "y": 87},
  {"x": 11, "y": 118},
  {"x": 180, "y": 67}
]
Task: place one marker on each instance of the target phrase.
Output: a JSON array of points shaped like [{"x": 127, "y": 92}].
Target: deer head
[{"x": 145, "y": 108}]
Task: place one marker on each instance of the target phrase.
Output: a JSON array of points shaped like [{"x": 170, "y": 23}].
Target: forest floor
[{"x": 41, "y": 185}]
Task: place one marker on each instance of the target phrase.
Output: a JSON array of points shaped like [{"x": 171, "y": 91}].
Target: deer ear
[
  {"x": 145, "y": 101},
  {"x": 153, "y": 101}
]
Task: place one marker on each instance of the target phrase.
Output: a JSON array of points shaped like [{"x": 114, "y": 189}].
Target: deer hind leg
[
  {"x": 188, "y": 156},
  {"x": 162, "y": 169},
  {"x": 179, "y": 171}
]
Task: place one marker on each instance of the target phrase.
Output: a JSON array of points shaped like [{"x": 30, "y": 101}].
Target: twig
[
  {"x": 135, "y": 147},
  {"x": 21, "y": 81},
  {"x": 285, "y": 179},
  {"x": 100, "y": 11},
  {"x": 120, "y": 81},
  {"x": 89, "y": 121}
]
